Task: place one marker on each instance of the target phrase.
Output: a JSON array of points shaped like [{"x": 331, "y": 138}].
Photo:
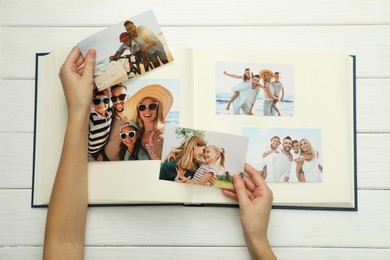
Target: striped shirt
[
  {"x": 99, "y": 129},
  {"x": 203, "y": 168}
]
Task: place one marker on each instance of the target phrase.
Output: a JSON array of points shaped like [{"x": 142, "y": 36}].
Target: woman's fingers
[
  {"x": 240, "y": 189},
  {"x": 231, "y": 194},
  {"x": 255, "y": 175},
  {"x": 249, "y": 183}
]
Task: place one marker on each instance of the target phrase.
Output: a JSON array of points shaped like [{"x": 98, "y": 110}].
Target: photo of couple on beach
[
  {"x": 203, "y": 158},
  {"x": 254, "y": 89},
  {"x": 286, "y": 154},
  {"x": 127, "y": 49},
  {"x": 127, "y": 121}
]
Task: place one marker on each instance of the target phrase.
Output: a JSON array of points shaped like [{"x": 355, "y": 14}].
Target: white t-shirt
[
  {"x": 252, "y": 96},
  {"x": 278, "y": 86},
  {"x": 281, "y": 167},
  {"x": 293, "y": 173},
  {"x": 311, "y": 171},
  {"x": 145, "y": 36},
  {"x": 126, "y": 47},
  {"x": 267, "y": 160},
  {"x": 271, "y": 90}
]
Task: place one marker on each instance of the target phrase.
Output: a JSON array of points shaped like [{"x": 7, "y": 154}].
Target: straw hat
[
  {"x": 157, "y": 92},
  {"x": 261, "y": 73}
]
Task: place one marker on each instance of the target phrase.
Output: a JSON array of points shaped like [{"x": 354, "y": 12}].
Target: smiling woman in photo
[
  {"x": 149, "y": 108},
  {"x": 186, "y": 157},
  {"x": 308, "y": 163}
]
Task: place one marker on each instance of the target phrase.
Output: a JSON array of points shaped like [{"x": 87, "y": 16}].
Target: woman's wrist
[
  {"x": 259, "y": 248},
  {"x": 78, "y": 118}
]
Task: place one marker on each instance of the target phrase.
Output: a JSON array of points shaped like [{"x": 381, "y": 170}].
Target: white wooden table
[{"x": 357, "y": 27}]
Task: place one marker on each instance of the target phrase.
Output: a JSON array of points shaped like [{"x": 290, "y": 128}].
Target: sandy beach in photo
[
  {"x": 108, "y": 73},
  {"x": 286, "y": 107},
  {"x": 106, "y": 43}
]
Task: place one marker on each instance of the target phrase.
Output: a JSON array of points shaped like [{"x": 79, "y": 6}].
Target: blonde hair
[
  {"x": 310, "y": 150},
  {"x": 220, "y": 156},
  {"x": 184, "y": 154}
]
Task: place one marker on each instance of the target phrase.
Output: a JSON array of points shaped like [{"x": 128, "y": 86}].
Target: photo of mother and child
[
  {"x": 132, "y": 128},
  {"x": 193, "y": 160}
]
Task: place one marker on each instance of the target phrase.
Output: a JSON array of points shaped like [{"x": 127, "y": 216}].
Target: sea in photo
[
  {"x": 173, "y": 118},
  {"x": 286, "y": 107}
]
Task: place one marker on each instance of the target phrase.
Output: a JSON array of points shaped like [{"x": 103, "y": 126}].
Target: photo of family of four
[
  {"x": 132, "y": 128},
  {"x": 194, "y": 160},
  {"x": 295, "y": 161},
  {"x": 268, "y": 93},
  {"x": 246, "y": 92}
]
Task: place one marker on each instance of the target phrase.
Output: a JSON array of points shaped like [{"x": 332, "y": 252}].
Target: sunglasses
[
  {"x": 130, "y": 134},
  {"x": 151, "y": 106},
  {"x": 121, "y": 97},
  {"x": 96, "y": 101}
]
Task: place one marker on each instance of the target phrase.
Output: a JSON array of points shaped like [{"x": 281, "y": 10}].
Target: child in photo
[
  {"x": 278, "y": 87},
  {"x": 214, "y": 159},
  {"x": 131, "y": 147},
  {"x": 295, "y": 155},
  {"x": 127, "y": 44},
  {"x": 99, "y": 123},
  {"x": 241, "y": 91},
  {"x": 272, "y": 148}
]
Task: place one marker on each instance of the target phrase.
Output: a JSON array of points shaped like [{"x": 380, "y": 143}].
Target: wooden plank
[
  {"x": 16, "y": 157},
  {"x": 119, "y": 253},
  {"x": 369, "y": 43},
  {"x": 373, "y": 163},
  {"x": 197, "y": 13},
  {"x": 19, "y": 103},
  {"x": 371, "y": 107},
  {"x": 154, "y": 225}
]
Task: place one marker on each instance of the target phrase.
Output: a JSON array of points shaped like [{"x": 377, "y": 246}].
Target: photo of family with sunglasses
[{"x": 129, "y": 123}]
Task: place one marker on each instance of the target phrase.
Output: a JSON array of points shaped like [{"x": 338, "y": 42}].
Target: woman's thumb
[{"x": 89, "y": 63}]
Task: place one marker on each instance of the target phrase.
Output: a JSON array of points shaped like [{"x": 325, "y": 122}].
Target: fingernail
[
  {"x": 236, "y": 177},
  {"x": 92, "y": 52}
]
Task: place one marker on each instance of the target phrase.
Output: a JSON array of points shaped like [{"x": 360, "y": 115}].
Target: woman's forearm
[{"x": 66, "y": 219}]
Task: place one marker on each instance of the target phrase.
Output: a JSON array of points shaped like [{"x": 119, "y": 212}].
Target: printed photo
[
  {"x": 127, "y": 121},
  {"x": 257, "y": 89},
  {"x": 127, "y": 49},
  {"x": 286, "y": 154},
  {"x": 202, "y": 157}
]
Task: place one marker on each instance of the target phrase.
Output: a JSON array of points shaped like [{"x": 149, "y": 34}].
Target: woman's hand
[
  {"x": 67, "y": 211},
  {"x": 77, "y": 80},
  {"x": 255, "y": 201},
  {"x": 180, "y": 176},
  {"x": 171, "y": 155}
]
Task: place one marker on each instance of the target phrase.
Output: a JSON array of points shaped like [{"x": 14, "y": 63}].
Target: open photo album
[{"x": 177, "y": 134}]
